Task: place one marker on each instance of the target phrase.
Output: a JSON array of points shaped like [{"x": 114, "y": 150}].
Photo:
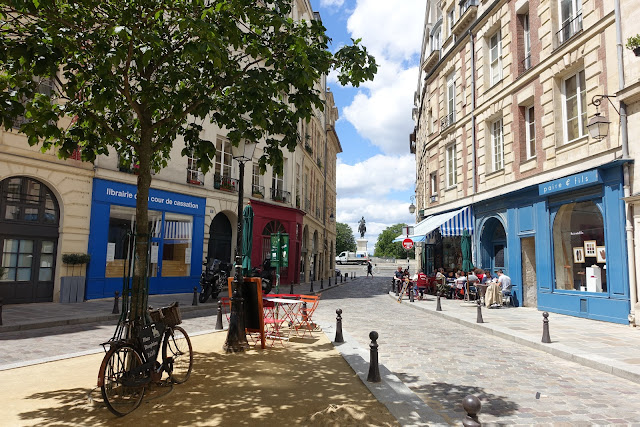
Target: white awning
[{"x": 450, "y": 223}]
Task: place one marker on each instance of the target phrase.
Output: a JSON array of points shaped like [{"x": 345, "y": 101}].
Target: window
[
  {"x": 451, "y": 16},
  {"x": 495, "y": 57},
  {"x": 194, "y": 176},
  {"x": 433, "y": 178},
  {"x": 497, "y": 146},
  {"x": 257, "y": 189},
  {"x": 527, "y": 42},
  {"x": 575, "y": 224},
  {"x": 570, "y": 19},
  {"x": 222, "y": 165},
  {"x": 430, "y": 121},
  {"x": 435, "y": 39},
  {"x": 450, "y": 159},
  {"x": 28, "y": 201},
  {"x": 530, "y": 132},
  {"x": 575, "y": 107},
  {"x": 451, "y": 99}
]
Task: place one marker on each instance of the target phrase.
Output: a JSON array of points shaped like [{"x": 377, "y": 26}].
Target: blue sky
[{"x": 376, "y": 172}]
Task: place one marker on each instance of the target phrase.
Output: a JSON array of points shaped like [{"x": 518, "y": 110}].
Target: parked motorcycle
[
  {"x": 266, "y": 274},
  {"x": 213, "y": 279}
]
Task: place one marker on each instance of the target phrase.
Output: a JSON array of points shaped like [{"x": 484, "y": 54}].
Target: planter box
[
  {"x": 72, "y": 289},
  {"x": 636, "y": 51}
]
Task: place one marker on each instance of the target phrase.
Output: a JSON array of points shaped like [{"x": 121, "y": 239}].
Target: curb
[{"x": 554, "y": 348}]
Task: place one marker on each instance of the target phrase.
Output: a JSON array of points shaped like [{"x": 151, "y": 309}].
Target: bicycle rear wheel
[
  {"x": 177, "y": 354},
  {"x": 120, "y": 391}
]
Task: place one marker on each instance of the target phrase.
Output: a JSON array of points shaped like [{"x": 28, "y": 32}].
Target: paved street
[{"x": 442, "y": 362}]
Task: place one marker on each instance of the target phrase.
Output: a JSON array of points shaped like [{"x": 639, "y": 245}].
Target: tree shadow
[{"x": 283, "y": 385}]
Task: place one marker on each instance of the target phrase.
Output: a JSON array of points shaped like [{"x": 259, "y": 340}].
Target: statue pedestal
[{"x": 361, "y": 245}]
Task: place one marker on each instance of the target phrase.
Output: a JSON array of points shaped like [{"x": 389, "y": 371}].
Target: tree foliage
[
  {"x": 136, "y": 75},
  {"x": 386, "y": 248},
  {"x": 344, "y": 238}
]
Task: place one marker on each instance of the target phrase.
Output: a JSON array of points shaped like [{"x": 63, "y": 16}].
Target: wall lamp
[
  {"x": 599, "y": 125},
  {"x": 412, "y": 207}
]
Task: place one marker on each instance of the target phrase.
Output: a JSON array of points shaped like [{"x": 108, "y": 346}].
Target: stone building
[
  {"x": 502, "y": 149},
  {"x": 50, "y": 207}
]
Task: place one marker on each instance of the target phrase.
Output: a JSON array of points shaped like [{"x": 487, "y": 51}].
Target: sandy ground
[{"x": 306, "y": 383}]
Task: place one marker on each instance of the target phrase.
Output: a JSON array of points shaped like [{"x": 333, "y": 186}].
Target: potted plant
[
  {"x": 72, "y": 287},
  {"x": 2, "y": 270},
  {"x": 633, "y": 43},
  {"x": 257, "y": 194}
]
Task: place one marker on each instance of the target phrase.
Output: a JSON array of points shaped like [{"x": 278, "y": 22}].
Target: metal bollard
[
  {"x": 195, "y": 296},
  {"x": 411, "y": 294},
  {"x": 479, "y": 318},
  {"x": 311, "y": 290},
  {"x": 1, "y": 300},
  {"x": 472, "y": 406},
  {"x": 438, "y": 306},
  {"x": 354, "y": 274},
  {"x": 545, "y": 328},
  {"x": 339, "y": 337},
  {"x": 219, "y": 318},
  {"x": 398, "y": 289},
  {"x": 329, "y": 282},
  {"x": 374, "y": 369},
  {"x": 116, "y": 308},
  {"x": 321, "y": 283},
  {"x": 291, "y": 289},
  {"x": 341, "y": 278}
]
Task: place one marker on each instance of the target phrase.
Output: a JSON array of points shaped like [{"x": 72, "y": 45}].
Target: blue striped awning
[
  {"x": 455, "y": 225},
  {"x": 450, "y": 224}
]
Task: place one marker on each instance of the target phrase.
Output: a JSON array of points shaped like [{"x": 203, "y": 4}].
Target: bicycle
[{"x": 131, "y": 364}]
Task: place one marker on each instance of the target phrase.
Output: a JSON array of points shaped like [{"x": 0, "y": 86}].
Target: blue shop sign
[
  {"x": 568, "y": 183},
  {"x": 125, "y": 194}
]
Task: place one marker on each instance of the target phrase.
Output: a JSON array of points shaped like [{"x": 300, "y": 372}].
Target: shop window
[
  {"x": 176, "y": 249},
  {"x": 579, "y": 249},
  {"x": 17, "y": 255}
]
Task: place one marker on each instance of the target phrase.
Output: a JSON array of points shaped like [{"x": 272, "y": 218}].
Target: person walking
[{"x": 369, "y": 268}]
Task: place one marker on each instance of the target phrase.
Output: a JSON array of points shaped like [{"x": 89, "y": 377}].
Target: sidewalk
[
  {"x": 20, "y": 317},
  {"x": 604, "y": 346}
]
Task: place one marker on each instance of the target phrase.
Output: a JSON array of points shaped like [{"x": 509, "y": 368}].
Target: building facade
[
  {"x": 502, "y": 107},
  {"x": 50, "y": 207}
]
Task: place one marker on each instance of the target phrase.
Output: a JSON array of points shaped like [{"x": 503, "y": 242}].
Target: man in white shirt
[{"x": 505, "y": 282}]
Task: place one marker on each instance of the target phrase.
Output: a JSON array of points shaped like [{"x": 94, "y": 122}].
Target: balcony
[
  {"x": 571, "y": 27},
  {"x": 431, "y": 61},
  {"x": 434, "y": 198},
  {"x": 468, "y": 13},
  {"x": 307, "y": 147},
  {"x": 526, "y": 63},
  {"x": 412, "y": 142},
  {"x": 257, "y": 191},
  {"x": 195, "y": 177},
  {"x": 447, "y": 121},
  {"x": 281, "y": 196},
  {"x": 225, "y": 183}
]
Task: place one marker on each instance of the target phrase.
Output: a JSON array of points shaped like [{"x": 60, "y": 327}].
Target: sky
[{"x": 376, "y": 171}]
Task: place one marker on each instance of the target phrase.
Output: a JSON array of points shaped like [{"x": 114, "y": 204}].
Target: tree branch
[{"x": 110, "y": 130}]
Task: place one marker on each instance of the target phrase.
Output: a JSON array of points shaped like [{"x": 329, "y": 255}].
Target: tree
[
  {"x": 386, "y": 248},
  {"x": 344, "y": 238},
  {"x": 135, "y": 75}
]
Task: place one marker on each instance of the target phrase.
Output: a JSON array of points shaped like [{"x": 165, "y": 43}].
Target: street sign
[{"x": 407, "y": 243}]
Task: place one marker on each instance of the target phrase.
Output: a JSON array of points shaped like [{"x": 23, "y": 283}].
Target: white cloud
[
  {"x": 384, "y": 114},
  {"x": 375, "y": 177},
  {"x": 331, "y": 3},
  {"x": 389, "y": 28}
]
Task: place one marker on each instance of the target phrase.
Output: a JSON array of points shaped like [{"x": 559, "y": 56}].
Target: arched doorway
[
  {"x": 220, "y": 236},
  {"x": 493, "y": 241},
  {"x": 29, "y": 217}
]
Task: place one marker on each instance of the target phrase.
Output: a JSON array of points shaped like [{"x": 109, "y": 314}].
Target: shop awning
[{"x": 450, "y": 224}]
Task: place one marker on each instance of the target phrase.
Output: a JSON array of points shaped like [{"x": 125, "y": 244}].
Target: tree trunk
[{"x": 140, "y": 291}]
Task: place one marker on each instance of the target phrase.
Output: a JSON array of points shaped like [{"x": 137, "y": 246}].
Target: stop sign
[{"x": 407, "y": 243}]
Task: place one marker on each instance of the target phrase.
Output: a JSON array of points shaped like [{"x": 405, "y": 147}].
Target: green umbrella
[
  {"x": 465, "y": 246},
  {"x": 247, "y": 238}
]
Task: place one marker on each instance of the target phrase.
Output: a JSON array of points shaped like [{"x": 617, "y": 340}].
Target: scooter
[
  {"x": 266, "y": 274},
  {"x": 213, "y": 278}
]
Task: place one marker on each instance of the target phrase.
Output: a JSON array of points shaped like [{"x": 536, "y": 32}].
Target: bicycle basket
[{"x": 170, "y": 315}]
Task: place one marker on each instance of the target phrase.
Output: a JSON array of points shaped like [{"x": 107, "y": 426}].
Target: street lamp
[
  {"x": 236, "y": 337},
  {"x": 599, "y": 125},
  {"x": 412, "y": 207},
  {"x": 332, "y": 217}
]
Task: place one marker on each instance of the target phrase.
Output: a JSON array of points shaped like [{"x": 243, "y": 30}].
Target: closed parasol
[{"x": 247, "y": 238}]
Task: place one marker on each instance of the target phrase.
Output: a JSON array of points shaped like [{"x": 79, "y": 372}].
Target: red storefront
[{"x": 267, "y": 219}]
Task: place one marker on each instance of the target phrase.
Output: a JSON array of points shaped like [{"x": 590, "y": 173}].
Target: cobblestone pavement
[
  {"x": 443, "y": 362},
  {"x": 23, "y": 348}
]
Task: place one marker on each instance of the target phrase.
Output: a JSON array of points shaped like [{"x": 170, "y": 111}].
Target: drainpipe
[
  {"x": 628, "y": 208},
  {"x": 473, "y": 111}
]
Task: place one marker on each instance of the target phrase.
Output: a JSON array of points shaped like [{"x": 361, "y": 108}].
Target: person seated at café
[
  {"x": 505, "y": 283},
  {"x": 397, "y": 277},
  {"x": 459, "y": 285},
  {"x": 421, "y": 282},
  {"x": 472, "y": 280},
  {"x": 486, "y": 278}
]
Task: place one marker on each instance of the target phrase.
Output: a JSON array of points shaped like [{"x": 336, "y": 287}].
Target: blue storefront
[
  {"x": 555, "y": 241},
  {"x": 176, "y": 227}
]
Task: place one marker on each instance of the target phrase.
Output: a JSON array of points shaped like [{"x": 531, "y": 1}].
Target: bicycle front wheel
[
  {"x": 177, "y": 354},
  {"x": 120, "y": 390}
]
